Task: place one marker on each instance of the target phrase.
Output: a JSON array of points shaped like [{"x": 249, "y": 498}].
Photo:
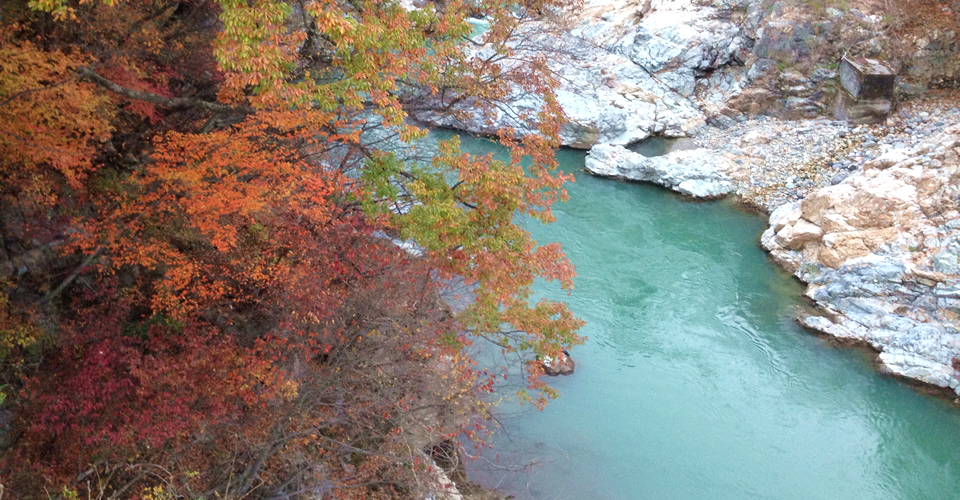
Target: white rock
[
  {"x": 917, "y": 367},
  {"x": 824, "y": 325},
  {"x": 698, "y": 172},
  {"x": 788, "y": 213},
  {"x": 621, "y": 82}
]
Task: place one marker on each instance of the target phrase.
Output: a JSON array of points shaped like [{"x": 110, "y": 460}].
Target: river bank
[{"x": 878, "y": 250}]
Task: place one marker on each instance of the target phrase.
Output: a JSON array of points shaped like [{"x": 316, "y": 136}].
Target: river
[{"x": 696, "y": 383}]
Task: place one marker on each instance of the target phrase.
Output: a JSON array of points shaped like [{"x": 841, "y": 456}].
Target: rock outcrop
[
  {"x": 628, "y": 72},
  {"x": 631, "y": 69},
  {"x": 932, "y": 59},
  {"x": 699, "y": 173},
  {"x": 880, "y": 252},
  {"x": 607, "y": 99}
]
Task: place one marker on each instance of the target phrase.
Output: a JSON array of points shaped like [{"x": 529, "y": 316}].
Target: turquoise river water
[{"x": 696, "y": 383}]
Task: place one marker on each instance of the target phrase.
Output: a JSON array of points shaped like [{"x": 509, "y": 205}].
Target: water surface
[{"x": 696, "y": 383}]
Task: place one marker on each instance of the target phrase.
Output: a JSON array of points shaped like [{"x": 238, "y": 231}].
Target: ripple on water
[{"x": 736, "y": 319}]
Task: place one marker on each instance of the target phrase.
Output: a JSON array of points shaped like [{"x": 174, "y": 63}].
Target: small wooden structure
[
  {"x": 867, "y": 91},
  {"x": 866, "y": 78}
]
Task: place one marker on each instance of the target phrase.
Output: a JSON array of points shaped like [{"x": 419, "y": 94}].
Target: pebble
[{"x": 784, "y": 159}]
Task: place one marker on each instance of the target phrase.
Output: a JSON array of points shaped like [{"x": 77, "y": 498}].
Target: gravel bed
[{"x": 780, "y": 161}]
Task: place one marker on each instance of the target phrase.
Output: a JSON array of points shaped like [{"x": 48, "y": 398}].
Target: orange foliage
[{"x": 53, "y": 150}]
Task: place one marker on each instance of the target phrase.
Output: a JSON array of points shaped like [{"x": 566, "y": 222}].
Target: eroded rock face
[
  {"x": 880, "y": 252},
  {"x": 635, "y": 68},
  {"x": 674, "y": 39},
  {"x": 629, "y": 71},
  {"x": 781, "y": 37},
  {"x": 607, "y": 99},
  {"x": 699, "y": 173},
  {"x": 934, "y": 58}
]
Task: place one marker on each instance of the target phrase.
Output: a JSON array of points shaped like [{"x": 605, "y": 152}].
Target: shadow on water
[{"x": 696, "y": 382}]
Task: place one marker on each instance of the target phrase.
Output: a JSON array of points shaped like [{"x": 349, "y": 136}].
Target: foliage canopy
[{"x": 196, "y": 297}]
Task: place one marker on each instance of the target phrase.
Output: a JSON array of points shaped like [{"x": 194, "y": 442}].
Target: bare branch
[
  {"x": 86, "y": 73},
  {"x": 76, "y": 272},
  {"x": 28, "y": 143},
  {"x": 30, "y": 91}
]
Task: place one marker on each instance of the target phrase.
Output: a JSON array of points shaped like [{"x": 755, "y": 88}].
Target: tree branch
[
  {"x": 88, "y": 74},
  {"x": 30, "y": 91},
  {"x": 76, "y": 272},
  {"x": 26, "y": 142}
]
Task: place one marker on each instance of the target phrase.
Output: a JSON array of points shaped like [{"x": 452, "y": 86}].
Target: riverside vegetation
[{"x": 199, "y": 296}]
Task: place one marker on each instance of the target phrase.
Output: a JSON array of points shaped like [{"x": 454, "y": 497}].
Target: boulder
[
  {"x": 795, "y": 236},
  {"x": 862, "y": 111},
  {"x": 699, "y": 173},
  {"x": 868, "y": 91},
  {"x": 561, "y": 365}
]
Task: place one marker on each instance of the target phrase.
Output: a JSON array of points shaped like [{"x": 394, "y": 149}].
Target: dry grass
[
  {"x": 918, "y": 17},
  {"x": 907, "y": 17}
]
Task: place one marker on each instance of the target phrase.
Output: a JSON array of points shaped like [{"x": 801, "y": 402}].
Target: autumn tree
[{"x": 197, "y": 298}]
